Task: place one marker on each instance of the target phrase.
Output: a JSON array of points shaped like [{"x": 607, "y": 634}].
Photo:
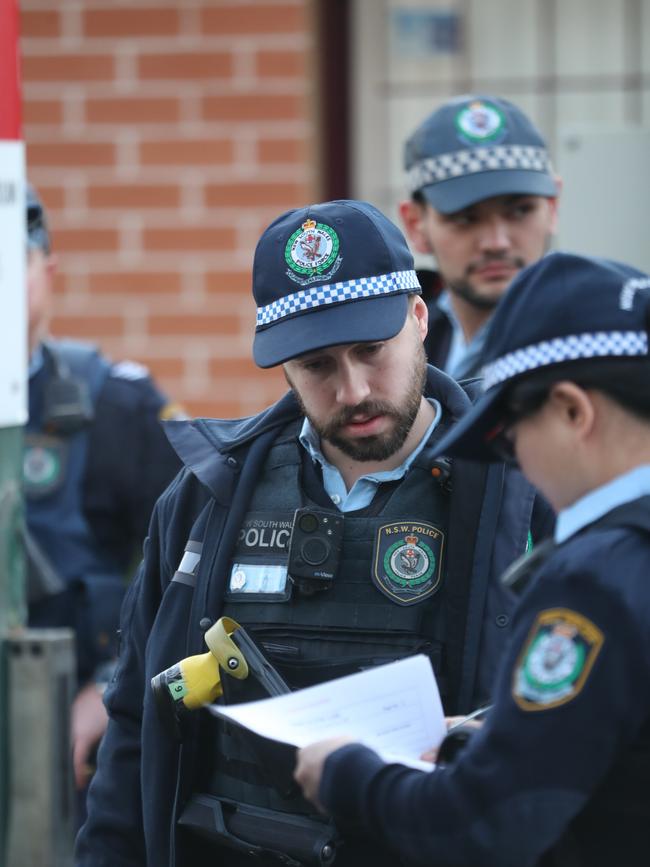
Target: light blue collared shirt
[
  {"x": 462, "y": 353},
  {"x": 623, "y": 489},
  {"x": 364, "y": 489}
]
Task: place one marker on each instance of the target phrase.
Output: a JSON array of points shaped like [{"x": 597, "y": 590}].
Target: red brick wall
[{"x": 163, "y": 136}]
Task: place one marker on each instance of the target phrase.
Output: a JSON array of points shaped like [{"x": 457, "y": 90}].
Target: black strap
[
  {"x": 468, "y": 489},
  {"x": 42, "y": 578},
  {"x": 517, "y": 576},
  {"x": 77, "y": 359}
]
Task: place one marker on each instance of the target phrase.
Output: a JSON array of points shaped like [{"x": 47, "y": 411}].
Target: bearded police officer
[
  {"x": 96, "y": 459},
  {"x": 484, "y": 203},
  {"x": 325, "y": 527}
]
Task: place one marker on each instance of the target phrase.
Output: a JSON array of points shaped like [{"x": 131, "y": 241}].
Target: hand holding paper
[{"x": 395, "y": 709}]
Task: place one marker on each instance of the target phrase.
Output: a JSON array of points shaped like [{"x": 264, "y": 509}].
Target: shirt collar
[
  {"x": 462, "y": 353},
  {"x": 332, "y": 479},
  {"x": 623, "y": 489}
]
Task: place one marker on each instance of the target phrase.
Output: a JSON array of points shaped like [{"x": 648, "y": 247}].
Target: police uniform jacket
[
  {"x": 144, "y": 778},
  {"x": 559, "y": 775},
  {"x": 90, "y": 485},
  {"x": 439, "y": 334}
]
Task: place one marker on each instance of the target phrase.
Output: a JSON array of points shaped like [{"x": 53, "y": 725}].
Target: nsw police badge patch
[
  {"x": 407, "y": 561},
  {"x": 44, "y": 465},
  {"x": 555, "y": 662},
  {"x": 312, "y": 252}
]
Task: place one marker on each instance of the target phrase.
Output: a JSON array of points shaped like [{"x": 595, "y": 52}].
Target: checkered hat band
[
  {"x": 571, "y": 348},
  {"x": 471, "y": 161},
  {"x": 336, "y": 293}
]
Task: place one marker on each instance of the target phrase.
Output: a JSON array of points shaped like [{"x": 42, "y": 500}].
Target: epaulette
[{"x": 130, "y": 370}]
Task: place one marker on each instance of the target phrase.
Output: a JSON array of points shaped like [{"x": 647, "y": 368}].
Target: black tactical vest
[
  {"x": 379, "y": 606},
  {"x": 385, "y": 603}
]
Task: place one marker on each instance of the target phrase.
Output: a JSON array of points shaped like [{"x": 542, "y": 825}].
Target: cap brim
[
  {"x": 361, "y": 321},
  {"x": 457, "y": 193},
  {"x": 469, "y": 438}
]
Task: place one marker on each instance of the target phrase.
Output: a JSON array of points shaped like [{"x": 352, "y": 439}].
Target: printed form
[{"x": 395, "y": 709}]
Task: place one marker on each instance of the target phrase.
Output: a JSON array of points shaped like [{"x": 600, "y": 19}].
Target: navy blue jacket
[
  {"x": 439, "y": 330},
  {"x": 437, "y": 343},
  {"x": 562, "y": 764},
  {"x": 89, "y": 515},
  {"x": 143, "y": 777}
]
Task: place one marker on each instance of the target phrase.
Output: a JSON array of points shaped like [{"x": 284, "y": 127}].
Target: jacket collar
[{"x": 197, "y": 441}]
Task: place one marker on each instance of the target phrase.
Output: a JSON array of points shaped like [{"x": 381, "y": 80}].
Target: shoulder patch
[
  {"x": 556, "y": 659},
  {"x": 130, "y": 370}
]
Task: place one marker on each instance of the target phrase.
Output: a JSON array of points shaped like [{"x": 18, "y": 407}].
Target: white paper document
[{"x": 394, "y": 708}]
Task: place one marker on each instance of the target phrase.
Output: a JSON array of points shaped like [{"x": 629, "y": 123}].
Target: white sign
[
  {"x": 605, "y": 207},
  {"x": 13, "y": 261},
  {"x": 393, "y": 708}
]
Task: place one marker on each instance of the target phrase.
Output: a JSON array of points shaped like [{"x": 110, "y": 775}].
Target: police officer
[
  {"x": 96, "y": 459},
  {"x": 560, "y": 772},
  {"x": 484, "y": 203},
  {"x": 325, "y": 527}
]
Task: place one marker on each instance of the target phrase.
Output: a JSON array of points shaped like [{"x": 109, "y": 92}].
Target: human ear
[
  {"x": 420, "y": 313},
  {"x": 553, "y": 204},
  {"x": 573, "y": 407},
  {"x": 413, "y": 215}
]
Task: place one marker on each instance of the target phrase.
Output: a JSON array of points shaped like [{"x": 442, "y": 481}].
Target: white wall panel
[
  {"x": 590, "y": 37},
  {"x": 564, "y": 62},
  {"x": 492, "y": 49}
]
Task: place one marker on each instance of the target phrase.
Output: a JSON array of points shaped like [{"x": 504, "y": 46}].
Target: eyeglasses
[{"x": 501, "y": 439}]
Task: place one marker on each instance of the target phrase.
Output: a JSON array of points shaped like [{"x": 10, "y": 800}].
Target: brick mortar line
[
  {"x": 32, "y": 46},
  {"x": 236, "y": 260},
  {"x": 229, "y": 346},
  {"x": 39, "y": 5},
  {"x": 77, "y": 304},
  {"x": 226, "y": 172},
  {"x": 191, "y": 131},
  {"x": 118, "y": 218},
  {"x": 170, "y": 88}
]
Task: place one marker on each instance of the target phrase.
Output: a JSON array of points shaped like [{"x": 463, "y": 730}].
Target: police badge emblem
[
  {"x": 559, "y": 653},
  {"x": 311, "y": 252},
  {"x": 480, "y": 122},
  {"x": 44, "y": 462},
  {"x": 407, "y": 561}
]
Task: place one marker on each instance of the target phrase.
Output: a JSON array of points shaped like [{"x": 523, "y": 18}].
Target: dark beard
[
  {"x": 381, "y": 446},
  {"x": 464, "y": 289}
]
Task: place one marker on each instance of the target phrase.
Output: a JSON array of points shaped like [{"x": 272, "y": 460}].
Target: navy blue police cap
[
  {"x": 37, "y": 232},
  {"x": 332, "y": 273},
  {"x": 564, "y": 308},
  {"x": 475, "y": 147}
]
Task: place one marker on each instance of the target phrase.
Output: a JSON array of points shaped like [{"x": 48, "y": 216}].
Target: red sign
[{"x": 10, "y": 115}]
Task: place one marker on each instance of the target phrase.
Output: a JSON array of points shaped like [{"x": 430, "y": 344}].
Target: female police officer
[{"x": 560, "y": 772}]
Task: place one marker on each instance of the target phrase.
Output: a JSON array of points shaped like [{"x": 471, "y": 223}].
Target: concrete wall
[{"x": 571, "y": 64}]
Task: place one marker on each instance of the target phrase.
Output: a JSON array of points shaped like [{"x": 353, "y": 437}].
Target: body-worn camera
[{"x": 314, "y": 549}]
